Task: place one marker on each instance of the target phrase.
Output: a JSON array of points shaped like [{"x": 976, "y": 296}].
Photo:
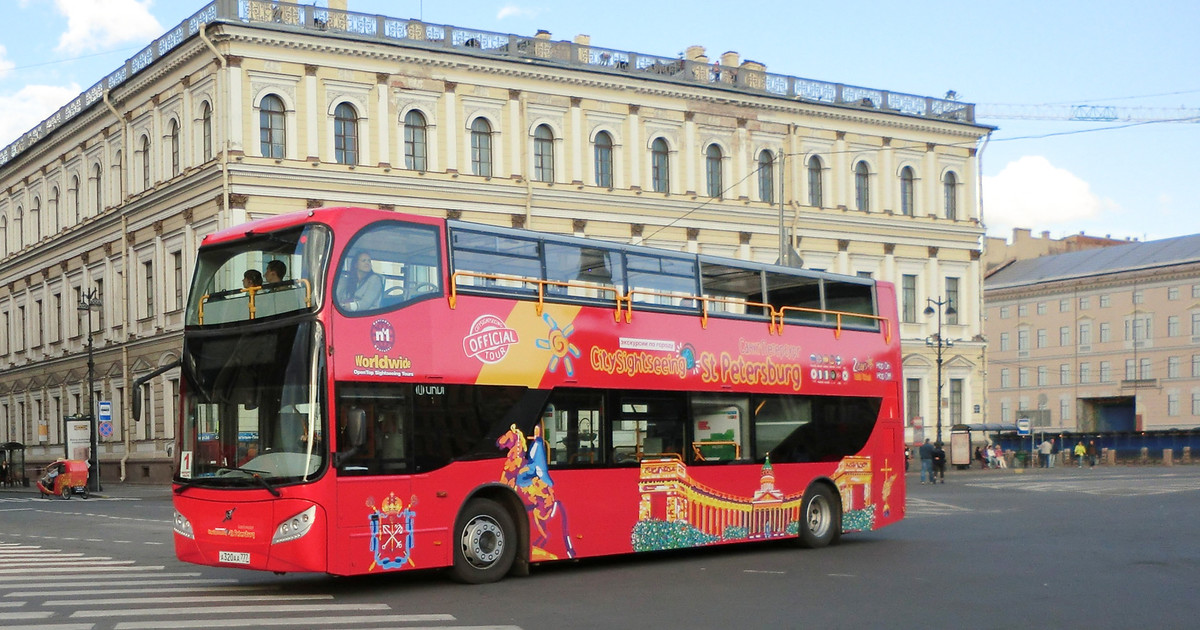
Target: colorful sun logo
[{"x": 558, "y": 342}]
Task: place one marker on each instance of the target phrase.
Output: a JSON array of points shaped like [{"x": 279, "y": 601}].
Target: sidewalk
[{"x": 110, "y": 491}]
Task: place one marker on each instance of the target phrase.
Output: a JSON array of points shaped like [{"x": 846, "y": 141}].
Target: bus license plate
[{"x": 234, "y": 557}]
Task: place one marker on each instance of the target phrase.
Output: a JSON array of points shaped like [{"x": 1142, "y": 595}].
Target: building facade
[
  {"x": 250, "y": 108},
  {"x": 1099, "y": 340}
]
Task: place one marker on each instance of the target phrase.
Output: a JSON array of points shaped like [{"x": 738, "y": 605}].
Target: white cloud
[
  {"x": 1033, "y": 193},
  {"x": 33, "y": 104},
  {"x": 512, "y": 10},
  {"x": 102, "y": 24},
  {"x": 6, "y": 65}
]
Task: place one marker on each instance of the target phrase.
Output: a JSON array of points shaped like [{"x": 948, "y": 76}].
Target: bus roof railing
[
  {"x": 540, "y": 287},
  {"x": 884, "y": 325},
  {"x": 775, "y": 316}
]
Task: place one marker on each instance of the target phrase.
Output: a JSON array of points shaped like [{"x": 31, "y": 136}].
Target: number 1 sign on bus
[{"x": 418, "y": 393}]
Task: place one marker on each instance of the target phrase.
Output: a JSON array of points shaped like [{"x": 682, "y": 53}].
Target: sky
[{"x": 1034, "y": 58}]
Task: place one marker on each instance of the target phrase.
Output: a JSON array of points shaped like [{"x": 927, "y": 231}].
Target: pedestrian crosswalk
[
  {"x": 47, "y": 588},
  {"x": 1109, "y": 485},
  {"x": 917, "y": 508}
]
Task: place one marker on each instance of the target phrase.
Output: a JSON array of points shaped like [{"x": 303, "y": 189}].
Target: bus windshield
[
  {"x": 254, "y": 413},
  {"x": 260, "y": 276}
]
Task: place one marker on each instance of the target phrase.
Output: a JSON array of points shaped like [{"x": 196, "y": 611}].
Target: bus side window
[
  {"x": 720, "y": 427},
  {"x": 389, "y": 441},
  {"x": 573, "y": 422},
  {"x": 648, "y": 427}
]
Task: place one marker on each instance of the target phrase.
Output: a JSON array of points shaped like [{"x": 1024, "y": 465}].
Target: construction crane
[{"x": 1088, "y": 113}]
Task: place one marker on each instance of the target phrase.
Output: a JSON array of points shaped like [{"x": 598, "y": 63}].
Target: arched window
[
  {"x": 907, "y": 194},
  {"x": 481, "y": 147},
  {"x": 174, "y": 138},
  {"x": 206, "y": 131},
  {"x": 98, "y": 187},
  {"x": 119, "y": 174},
  {"x": 604, "y": 160},
  {"x": 543, "y": 154},
  {"x": 145, "y": 162},
  {"x": 271, "y": 127},
  {"x": 53, "y": 210},
  {"x": 950, "y": 185},
  {"x": 766, "y": 176},
  {"x": 712, "y": 169},
  {"x": 862, "y": 187},
  {"x": 35, "y": 221},
  {"x": 75, "y": 193},
  {"x": 18, "y": 224},
  {"x": 416, "y": 147},
  {"x": 345, "y": 134},
  {"x": 816, "y": 192},
  {"x": 660, "y": 166}
]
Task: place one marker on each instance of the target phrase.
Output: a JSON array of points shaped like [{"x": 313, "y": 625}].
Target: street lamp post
[
  {"x": 87, "y": 303},
  {"x": 939, "y": 344}
]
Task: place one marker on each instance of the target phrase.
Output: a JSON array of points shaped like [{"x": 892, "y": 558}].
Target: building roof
[{"x": 1095, "y": 262}]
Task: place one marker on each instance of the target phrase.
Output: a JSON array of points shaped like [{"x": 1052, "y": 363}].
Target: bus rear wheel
[
  {"x": 485, "y": 544},
  {"x": 820, "y": 517}
]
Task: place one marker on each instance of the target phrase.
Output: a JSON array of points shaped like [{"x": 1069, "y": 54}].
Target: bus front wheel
[
  {"x": 485, "y": 544},
  {"x": 820, "y": 517}
]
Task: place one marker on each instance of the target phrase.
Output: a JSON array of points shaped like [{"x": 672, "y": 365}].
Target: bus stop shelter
[
  {"x": 12, "y": 458},
  {"x": 961, "y": 439}
]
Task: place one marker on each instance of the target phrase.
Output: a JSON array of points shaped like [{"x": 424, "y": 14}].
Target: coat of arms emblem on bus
[
  {"x": 527, "y": 471},
  {"x": 392, "y": 532}
]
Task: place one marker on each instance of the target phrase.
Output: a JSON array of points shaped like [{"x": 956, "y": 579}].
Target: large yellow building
[{"x": 253, "y": 108}]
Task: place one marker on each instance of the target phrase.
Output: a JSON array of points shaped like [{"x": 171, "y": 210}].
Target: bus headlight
[
  {"x": 183, "y": 527},
  {"x": 295, "y": 527}
]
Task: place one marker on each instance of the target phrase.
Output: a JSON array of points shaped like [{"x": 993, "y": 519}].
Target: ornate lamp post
[
  {"x": 939, "y": 344},
  {"x": 87, "y": 303}
]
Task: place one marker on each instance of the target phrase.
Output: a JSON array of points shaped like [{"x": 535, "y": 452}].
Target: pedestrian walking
[
  {"x": 925, "y": 452},
  {"x": 1053, "y": 452},
  {"x": 1044, "y": 450},
  {"x": 1092, "y": 453},
  {"x": 939, "y": 464},
  {"x": 1080, "y": 453}
]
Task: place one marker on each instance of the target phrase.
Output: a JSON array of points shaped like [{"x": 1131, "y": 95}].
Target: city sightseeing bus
[{"x": 406, "y": 392}]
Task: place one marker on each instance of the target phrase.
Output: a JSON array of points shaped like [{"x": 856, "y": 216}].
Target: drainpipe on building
[
  {"x": 222, "y": 89},
  {"x": 125, "y": 345},
  {"x": 525, "y": 162}
]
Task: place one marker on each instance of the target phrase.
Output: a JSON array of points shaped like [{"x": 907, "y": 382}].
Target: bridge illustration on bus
[{"x": 408, "y": 392}]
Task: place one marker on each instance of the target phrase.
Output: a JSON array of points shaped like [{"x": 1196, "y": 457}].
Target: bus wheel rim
[
  {"x": 818, "y": 516},
  {"x": 482, "y": 542}
]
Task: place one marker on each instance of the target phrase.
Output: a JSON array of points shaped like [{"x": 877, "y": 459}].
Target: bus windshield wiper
[{"x": 266, "y": 484}]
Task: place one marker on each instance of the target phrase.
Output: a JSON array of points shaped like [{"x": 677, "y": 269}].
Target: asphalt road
[{"x": 1066, "y": 548}]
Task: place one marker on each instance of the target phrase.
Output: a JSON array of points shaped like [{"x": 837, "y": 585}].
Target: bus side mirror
[{"x": 141, "y": 382}]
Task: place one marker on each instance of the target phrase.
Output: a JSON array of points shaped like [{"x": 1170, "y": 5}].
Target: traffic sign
[
  {"x": 1023, "y": 426},
  {"x": 106, "y": 428}
]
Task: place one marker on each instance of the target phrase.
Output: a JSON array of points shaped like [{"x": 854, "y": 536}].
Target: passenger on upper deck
[
  {"x": 252, "y": 278},
  {"x": 275, "y": 271},
  {"x": 360, "y": 288}
]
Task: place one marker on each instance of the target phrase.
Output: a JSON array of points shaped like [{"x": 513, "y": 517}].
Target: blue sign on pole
[
  {"x": 1023, "y": 426},
  {"x": 105, "y": 427}
]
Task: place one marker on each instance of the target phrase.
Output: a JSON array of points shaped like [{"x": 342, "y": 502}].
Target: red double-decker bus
[{"x": 401, "y": 392}]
